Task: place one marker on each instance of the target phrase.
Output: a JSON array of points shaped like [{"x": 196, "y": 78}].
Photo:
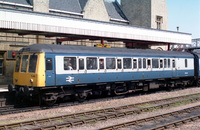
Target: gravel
[{"x": 14, "y": 118}]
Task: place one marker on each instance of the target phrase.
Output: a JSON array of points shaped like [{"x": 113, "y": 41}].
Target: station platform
[{"x": 3, "y": 87}]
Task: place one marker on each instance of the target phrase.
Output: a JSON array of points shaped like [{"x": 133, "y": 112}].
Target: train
[{"x": 46, "y": 73}]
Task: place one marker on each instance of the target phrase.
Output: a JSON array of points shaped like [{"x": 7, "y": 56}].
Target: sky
[{"x": 185, "y": 14}]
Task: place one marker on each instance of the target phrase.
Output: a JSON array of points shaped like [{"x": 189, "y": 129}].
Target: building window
[{"x": 159, "y": 20}]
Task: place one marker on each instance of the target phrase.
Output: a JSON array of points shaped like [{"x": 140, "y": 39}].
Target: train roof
[{"x": 70, "y": 49}]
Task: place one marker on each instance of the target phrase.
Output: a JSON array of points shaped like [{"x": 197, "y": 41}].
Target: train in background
[{"x": 46, "y": 73}]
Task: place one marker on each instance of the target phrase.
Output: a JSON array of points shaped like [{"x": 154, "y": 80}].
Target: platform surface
[{"x": 3, "y": 87}]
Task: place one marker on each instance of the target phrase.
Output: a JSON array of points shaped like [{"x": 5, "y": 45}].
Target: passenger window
[
  {"x": 24, "y": 63},
  {"x": 101, "y": 64},
  {"x": 69, "y": 63},
  {"x": 186, "y": 63},
  {"x": 134, "y": 63},
  {"x": 91, "y": 63},
  {"x": 140, "y": 63},
  {"x": 110, "y": 63},
  {"x": 81, "y": 64},
  {"x": 165, "y": 63},
  {"x": 173, "y": 63},
  {"x": 169, "y": 63},
  {"x": 144, "y": 63},
  {"x": 119, "y": 63},
  {"x": 148, "y": 63},
  {"x": 161, "y": 64},
  {"x": 18, "y": 64},
  {"x": 127, "y": 63},
  {"x": 32, "y": 63},
  {"x": 49, "y": 65},
  {"x": 155, "y": 63}
]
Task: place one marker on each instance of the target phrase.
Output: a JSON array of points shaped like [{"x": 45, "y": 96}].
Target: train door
[
  {"x": 174, "y": 69},
  {"x": 50, "y": 71}
]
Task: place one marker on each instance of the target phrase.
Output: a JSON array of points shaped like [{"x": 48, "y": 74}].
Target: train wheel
[
  {"x": 169, "y": 87},
  {"x": 21, "y": 97},
  {"x": 50, "y": 103},
  {"x": 198, "y": 83},
  {"x": 49, "y": 99},
  {"x": 81, "y": 97}
]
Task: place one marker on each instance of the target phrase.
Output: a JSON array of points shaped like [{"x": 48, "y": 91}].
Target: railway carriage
[{"x": 50, "y": 72}]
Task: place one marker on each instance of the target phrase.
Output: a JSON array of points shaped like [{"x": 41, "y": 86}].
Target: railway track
[
  {"x": 162, "y": 121},
  {"x": 10, "y": 109},
  {"x": 6, "y": 108},
  {"x": 102, "y": 114}
]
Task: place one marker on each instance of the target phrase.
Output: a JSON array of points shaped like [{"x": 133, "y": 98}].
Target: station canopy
[{"x": 49, "y": 25}]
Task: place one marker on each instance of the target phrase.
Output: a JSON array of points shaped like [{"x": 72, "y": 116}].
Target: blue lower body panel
[{"x": 86, "y": 78}]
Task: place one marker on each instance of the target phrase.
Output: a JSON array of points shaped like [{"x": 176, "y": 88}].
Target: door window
[
  {"x": 134, "y": 63},
  {"x": 81, "y": 64},
  {"x": 101, "y": 64},
  {"x": 49, "y": 65},
  {"x": 119, "y": 63}
]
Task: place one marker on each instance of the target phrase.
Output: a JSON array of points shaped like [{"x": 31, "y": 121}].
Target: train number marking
[{"x": 70, "y": 79}]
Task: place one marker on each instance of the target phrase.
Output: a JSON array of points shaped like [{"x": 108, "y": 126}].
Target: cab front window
[
  {"x": 18, "y": 64},
  {"x": 24, "y": 63},
  {"x": 32, "y": 63}
]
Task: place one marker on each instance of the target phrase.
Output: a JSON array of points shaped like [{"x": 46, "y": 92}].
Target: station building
[{"x": 131, "y": 23}]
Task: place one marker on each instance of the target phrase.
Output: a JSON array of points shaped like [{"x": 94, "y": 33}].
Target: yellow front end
[{"x": 30, "y": 70}]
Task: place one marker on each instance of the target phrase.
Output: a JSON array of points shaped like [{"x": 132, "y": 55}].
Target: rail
[{"x": 102, "y": 114}]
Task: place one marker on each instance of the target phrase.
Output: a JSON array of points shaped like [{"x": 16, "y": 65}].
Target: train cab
[{"x": 29, "y": 70}]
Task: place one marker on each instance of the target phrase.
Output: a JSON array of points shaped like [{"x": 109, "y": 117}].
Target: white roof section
[{"x": 40, "y": 22}]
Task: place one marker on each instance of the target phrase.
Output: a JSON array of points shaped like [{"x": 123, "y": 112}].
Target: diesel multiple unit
[{"x": 47, "y": 73}]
